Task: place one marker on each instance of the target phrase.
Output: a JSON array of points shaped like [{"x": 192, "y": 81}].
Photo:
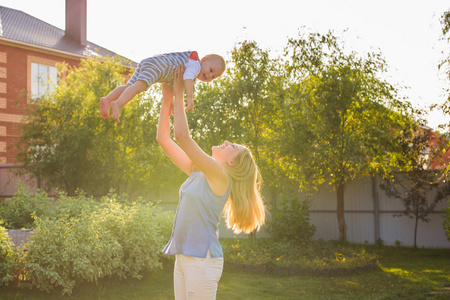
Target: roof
[{"x": 21, "y": 27}]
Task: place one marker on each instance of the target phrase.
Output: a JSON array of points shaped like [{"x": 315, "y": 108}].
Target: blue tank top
[{"x": 196, "y": 226}]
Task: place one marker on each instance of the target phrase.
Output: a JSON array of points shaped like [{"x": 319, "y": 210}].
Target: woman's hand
[
  {"x": 178, "y": 85},
  {"x": 167, "y": 92}
]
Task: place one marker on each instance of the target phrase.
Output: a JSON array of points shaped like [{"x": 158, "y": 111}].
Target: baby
[{"x": 160, "y": 68}]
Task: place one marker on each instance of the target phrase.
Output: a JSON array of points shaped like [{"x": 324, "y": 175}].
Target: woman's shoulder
[{"x": 219, "y": 186}]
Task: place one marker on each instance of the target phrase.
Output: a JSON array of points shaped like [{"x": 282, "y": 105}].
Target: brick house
[{"x": 29, "y": 50}]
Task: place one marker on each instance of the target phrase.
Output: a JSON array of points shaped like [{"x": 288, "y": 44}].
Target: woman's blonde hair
[{"x": 245, "y": 210}]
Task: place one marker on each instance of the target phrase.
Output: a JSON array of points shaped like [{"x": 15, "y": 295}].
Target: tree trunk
[
  {"x": 415, "y": 232},
  {"x": 416, "y": 214},
  {"x": 340, "y": 213}
]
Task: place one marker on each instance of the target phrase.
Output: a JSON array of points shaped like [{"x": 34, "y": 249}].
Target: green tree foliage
[
  {"x": 215, "y": 118},
  {"x": 8, "y": 257},
  {"x": 445, "y": 63},
  {"x": 237, "y": 105},
  {"x": 340, "y": 117},
  {"x": 255, "y": 84},
  {"x": 67, "y": 145},
  {"x": 241, "y": 107},
  {"x": 250, "y": 90},
  {"x": 316, "y": 114}
]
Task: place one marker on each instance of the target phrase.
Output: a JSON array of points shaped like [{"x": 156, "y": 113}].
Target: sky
[{"x": 406, "y": 32}]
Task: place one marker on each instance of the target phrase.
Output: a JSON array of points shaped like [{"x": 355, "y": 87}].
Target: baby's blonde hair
[
  {"x": 220, "y": 59},
  {"x": 245, "y": 210}
]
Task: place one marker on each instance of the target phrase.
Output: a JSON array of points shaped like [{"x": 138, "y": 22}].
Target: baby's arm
[
  {"x": 189, "y": 88},
  {"x": 192, "y": 69}
]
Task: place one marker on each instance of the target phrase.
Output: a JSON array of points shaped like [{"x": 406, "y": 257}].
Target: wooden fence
[
  {"x": 9, "y": 181},
  {"x": 370, "y": 216}
]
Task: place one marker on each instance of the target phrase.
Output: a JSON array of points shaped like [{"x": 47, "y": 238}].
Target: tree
[
  {"x": 445, "y": 63},
  {"x": 243, "y": 105},
  {"x": 67, "y": 145},
  {"x": 419, "y": 183},
  {"x": 340, "y": 117}
]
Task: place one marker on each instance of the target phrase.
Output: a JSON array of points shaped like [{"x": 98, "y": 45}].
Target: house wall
[{"x": 15, "y": 81}]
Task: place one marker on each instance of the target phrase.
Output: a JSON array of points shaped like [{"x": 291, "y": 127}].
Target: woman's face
[{"x": 226, "y": 153}]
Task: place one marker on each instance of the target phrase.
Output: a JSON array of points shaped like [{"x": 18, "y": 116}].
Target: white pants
[{"x": 196, "y": 278}]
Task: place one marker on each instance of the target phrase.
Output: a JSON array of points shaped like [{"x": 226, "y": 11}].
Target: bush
[
  {"x": 21, "y": 210},
  {"x": 141, "y": 229},
  {"x": 18, "y": 211},
  {"x": 79, "y": 239},
  {"x": 291, "y": 222},
  {"x": 8, "y": 256},
  {"x": 112, "y": 239},
  {"x": 74, "y": 206}
]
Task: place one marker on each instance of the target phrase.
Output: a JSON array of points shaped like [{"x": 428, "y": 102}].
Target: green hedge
[
  {"x": 17, "y": 212},
  {"x": 114, "y": 239},
  {"x": 78, "y": 239},
  {"x": 21, "y": 210},
  {"x": 7, "y": 257}
]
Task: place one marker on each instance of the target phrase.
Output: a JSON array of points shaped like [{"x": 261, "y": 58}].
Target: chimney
[{"x": 76, "y": 20}]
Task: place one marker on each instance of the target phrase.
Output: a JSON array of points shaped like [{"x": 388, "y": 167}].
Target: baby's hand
[{"x": 190, "y": 103}]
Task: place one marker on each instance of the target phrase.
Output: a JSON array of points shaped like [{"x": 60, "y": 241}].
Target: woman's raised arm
[
  {"x": 175, "y": 153},
  {"x": 213, "y": 170}
]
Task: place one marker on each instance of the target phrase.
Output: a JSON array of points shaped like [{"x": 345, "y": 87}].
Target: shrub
[
  {"x": 141, "y": 229},
  {"x": 73, "y": 206},
  {"x": 8, "y": 256},
  {"x": 291, "y": 222},
  {"x": 112, "y": 239},
  {"x": 18, "y": 211}
]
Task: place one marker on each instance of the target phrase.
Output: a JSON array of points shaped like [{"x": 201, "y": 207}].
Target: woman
[{"x": 228, "y": 180}]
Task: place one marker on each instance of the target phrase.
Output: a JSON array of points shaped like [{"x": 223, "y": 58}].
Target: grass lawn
[{"x": 403, "y": 273}]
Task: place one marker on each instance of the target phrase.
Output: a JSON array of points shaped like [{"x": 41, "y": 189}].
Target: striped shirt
[{"x": 160, "y": 68}]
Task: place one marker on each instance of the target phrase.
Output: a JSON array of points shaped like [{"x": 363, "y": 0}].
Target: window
[{"x": 44, "y": 78}]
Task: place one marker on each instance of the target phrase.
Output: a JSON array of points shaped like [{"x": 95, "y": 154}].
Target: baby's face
[{"x": 211, "y": 69}]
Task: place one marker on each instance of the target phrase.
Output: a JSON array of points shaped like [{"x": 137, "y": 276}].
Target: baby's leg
[
  {"x": 106, "y": 101},
  {"x": 128, "y": 94}
]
